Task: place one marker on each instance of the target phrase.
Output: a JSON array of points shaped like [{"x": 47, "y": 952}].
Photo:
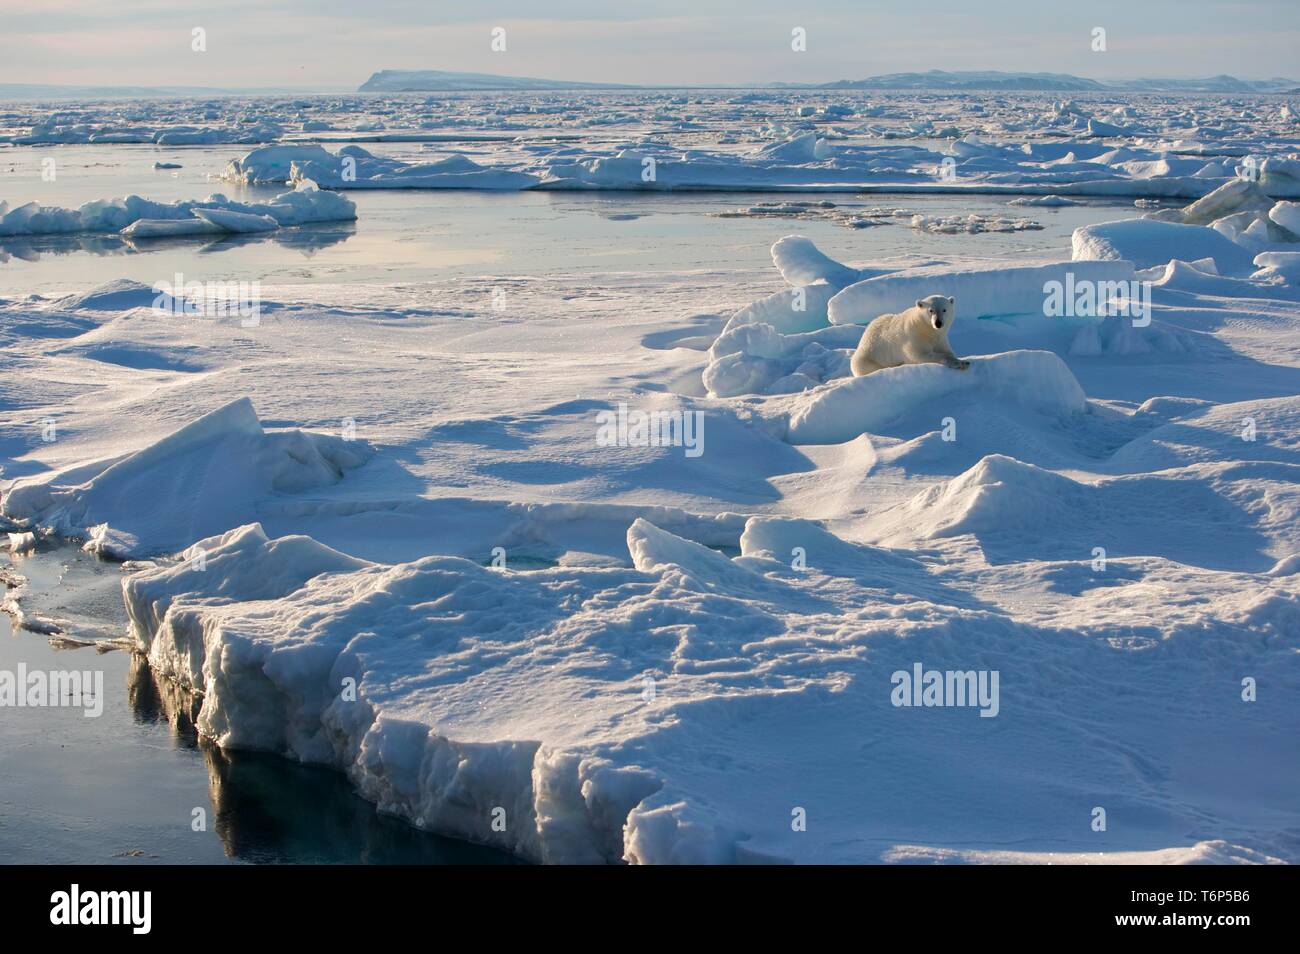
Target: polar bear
[{"x": 916, "y": 336}]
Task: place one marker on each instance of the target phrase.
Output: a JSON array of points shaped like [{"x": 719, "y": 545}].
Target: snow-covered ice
[
  {"x": 144, "y": 503},
  {"x": 983, "y": 291},
  {"x": 1146, "y": 243},
  {"x": 137, "y": 217},
  {"x": 387, "y": 529}
]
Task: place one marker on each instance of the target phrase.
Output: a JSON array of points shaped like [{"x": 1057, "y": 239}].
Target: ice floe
[
  {"x": 355, "y": 168},
  {"x": 136, "y": 217}
]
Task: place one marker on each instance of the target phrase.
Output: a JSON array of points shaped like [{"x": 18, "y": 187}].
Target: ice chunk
[
  {"x": 796, "y": 149},
  {"x": 202, "y": 479},
  {"x": 1283, "y": 265},
  {"x": 272, "y": 164},
  {"x": 307, "y": 204},
  {"x": 35, "y": 219},
  {"x": 1234, "y": 227},
  {"x": 1280, "y": 176},
  {"x": 1098, "y": 128},
  {"x": 171, "y": 228},
  {"x": 1047, "y": 201},
  {"x": 1237, "y": 195},
  {"x": 188, "y": 217},
  {"x": 1036, "y": 380},
  {"x": 1148, "y": 243},
  {"x": 654, "y": 550},
  {"x": 980, "y": 291},
  {"x": 355, "y": 168},
  {"x": 800, "y": 262},
  {"x": 237, "y": 221},
  {"x": 1287, "y": 215},
  {"x": 972, "y": 224},
  {"x": 790, "y": 311},
  {"x": 753, "y": 358}
]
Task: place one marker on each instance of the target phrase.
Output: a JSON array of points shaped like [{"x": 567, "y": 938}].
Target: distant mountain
[
  {"x": 1064, "y": 82},
  {"x": 1211, "y": 84},
  {"x": 420, "y": 81},
  {"x": 990, "y": 79}
]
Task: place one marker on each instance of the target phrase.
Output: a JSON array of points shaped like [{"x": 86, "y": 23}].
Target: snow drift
[
  {"x": 1036, "y": 380},
  {"x": 202, "y": 479}
]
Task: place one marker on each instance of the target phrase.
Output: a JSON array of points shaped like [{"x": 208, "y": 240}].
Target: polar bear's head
[{"x": 938, "y": 311}]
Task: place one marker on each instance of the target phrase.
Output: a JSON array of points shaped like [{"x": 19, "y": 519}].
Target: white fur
[{"x": 916, "y": 336}]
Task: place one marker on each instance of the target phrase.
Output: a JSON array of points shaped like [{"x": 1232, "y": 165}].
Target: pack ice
[
  {"x": 1046, "y": 152},
  {"x": 783, "y": 649}
]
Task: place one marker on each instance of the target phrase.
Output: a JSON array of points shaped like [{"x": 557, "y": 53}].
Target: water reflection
[
  {"x": 305, "y": 239},
  {"x": 267, "y": 809}
]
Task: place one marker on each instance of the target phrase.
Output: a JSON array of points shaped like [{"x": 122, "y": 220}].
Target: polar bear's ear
[
  {"x": 952, "y": 301},
  {"x": 920, "y": 303}
]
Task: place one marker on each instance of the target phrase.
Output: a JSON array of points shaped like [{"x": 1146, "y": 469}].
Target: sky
[{"x": 337, "y": 44}]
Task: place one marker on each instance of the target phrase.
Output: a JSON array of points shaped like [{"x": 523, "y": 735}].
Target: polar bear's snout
[{"x": 937, "y": 309}]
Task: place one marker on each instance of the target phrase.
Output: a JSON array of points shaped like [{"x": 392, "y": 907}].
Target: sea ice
[
  {"x": 205, "y": 477},
  {"x": 142, "y": 218},
  {"x": 505, "y": 630},
  {"x": 980, "y": 291},
  {"x": 1037, "y": 380},
  {"x": 1146, "y": 243}
]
